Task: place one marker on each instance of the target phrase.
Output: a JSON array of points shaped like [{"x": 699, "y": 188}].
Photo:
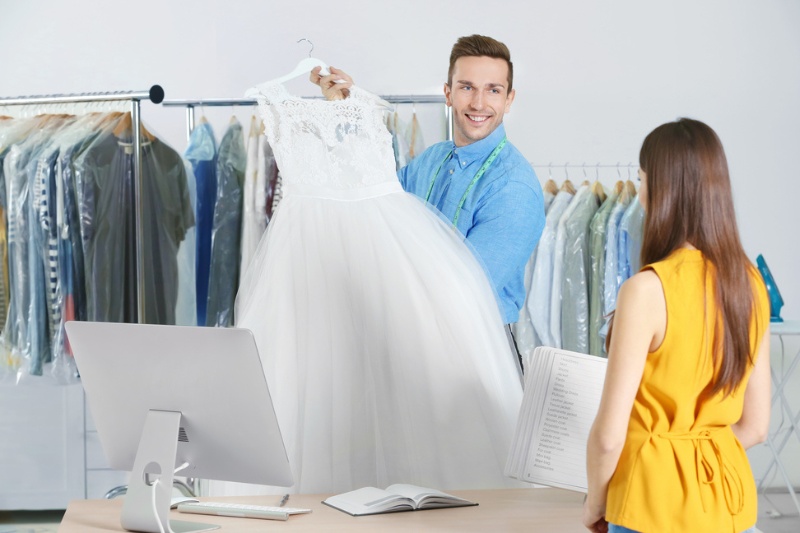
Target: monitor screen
[{"x": 209, "y": 383}]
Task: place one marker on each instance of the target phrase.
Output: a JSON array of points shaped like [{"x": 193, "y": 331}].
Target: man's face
[{"x": 479, "y": 96}]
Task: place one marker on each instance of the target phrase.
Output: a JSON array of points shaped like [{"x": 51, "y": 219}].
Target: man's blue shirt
[{"x": 502, "y": 216}]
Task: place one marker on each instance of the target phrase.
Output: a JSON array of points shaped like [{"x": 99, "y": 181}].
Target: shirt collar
[{"x": 480, "y": 149}]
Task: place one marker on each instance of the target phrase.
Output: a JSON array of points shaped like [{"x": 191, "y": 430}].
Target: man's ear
[
  {"x": 510, "y": 100},
  {"x": 447, "y": 100}
]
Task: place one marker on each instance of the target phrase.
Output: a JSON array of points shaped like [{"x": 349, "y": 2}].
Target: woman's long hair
[{"x": 689, "y": 199}]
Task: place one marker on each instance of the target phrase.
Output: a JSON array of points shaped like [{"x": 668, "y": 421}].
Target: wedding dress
[{"x": 380, "y": 336}]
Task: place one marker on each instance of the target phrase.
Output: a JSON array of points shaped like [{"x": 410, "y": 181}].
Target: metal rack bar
[
  {"x": 156, "y": 95},
  {"x": 586, "y": 165},
  {"x": 234, "y": 102}
]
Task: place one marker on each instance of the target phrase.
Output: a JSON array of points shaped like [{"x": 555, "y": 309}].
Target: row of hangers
[{"x": 624, "y": 190}]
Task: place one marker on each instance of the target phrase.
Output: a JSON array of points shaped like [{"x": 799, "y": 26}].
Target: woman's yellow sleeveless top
[{"x": 682, "y": 469}]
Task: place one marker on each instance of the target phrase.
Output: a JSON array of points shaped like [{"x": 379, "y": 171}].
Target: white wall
[{"x": 592, "y": 78}]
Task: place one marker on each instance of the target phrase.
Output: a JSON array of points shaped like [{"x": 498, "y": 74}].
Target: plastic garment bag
[
  {"x": 575, "y": 281},
  {"x": 597, "y": 232},
  {"x": 267, "y": 177},
  {"x": 202, "y": 153},
  {"x": 261, "y": 167},
  {"x": 630, "y": 241},
  {"x": 524, "y": 333},
  {"x": 541, "y": 285},
  {"x": 226, "y": 236},
  {"x": 186, "y": 306},
  {"x": 413, "y": 138},
  {"x": 559, "y": 266},
  {"x": 104, "y": 183},
  {"x": 28, "y": 332},
  {"x": 32, "y": 337},
  {"x": 611, "y": 281}
]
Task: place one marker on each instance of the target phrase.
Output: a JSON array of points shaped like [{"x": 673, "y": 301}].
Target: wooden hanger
[
  {"x": 551, "y": 186},
  {"x": 125, "y": 128},
  {"x": 414, "y": 133},
  {"x": 631, "y": 187},
  {"x": 599, "y": 191},
  {"x": 567, "y": 186}
]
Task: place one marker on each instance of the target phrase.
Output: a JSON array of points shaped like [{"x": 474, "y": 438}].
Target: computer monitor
[{"x": 162, "y": 396}]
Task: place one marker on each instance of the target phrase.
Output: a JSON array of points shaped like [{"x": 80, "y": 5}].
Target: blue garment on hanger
[
  {"x": 630, "y": 241},
  {"x": 202, "y": 154},
  {"x": 227, "y": 228}
]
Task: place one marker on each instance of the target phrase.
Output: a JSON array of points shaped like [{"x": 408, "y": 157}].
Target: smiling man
[{"x": 480, "y": 181}]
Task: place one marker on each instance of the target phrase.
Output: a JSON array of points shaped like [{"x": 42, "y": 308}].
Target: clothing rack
[
  {"x": 585, "y": 166},
  {"x": 234, "y": 102},
  {"x": 156, "y": 95}
]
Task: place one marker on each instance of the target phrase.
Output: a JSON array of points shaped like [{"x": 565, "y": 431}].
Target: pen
[{"x": 284, "y": 500}]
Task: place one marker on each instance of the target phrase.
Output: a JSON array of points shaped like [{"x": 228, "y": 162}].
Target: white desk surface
[
  {"x": 498, "y": 511},
  {"x": 787, "y": 327}
]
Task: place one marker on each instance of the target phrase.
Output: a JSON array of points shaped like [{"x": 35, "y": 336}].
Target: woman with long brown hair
[{"x": 687, "y": 388}]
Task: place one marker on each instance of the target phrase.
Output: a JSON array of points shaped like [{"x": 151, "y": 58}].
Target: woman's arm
[
  {"x": 752, "y": 427},
  {"x": 639, "y": 325}
]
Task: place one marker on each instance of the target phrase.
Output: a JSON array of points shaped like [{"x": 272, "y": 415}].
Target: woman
[{"x": 687, "y": 388}]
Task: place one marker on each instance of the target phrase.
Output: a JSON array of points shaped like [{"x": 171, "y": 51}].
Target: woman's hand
[
  {"x": 335, "y": 86},
  {"x": 594, "y": 519}
]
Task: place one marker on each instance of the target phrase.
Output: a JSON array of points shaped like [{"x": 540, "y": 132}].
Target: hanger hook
[
  {"x": 566, "y": 173},
  {"x": 597, "y": 171},
  {"x": 619, "y": 174},
  {"x": 309, "y": 42},
  {"x": 629, "y": 170},
  {"x": 550, "y": 170},
  {"x": 584, "y": 170}
]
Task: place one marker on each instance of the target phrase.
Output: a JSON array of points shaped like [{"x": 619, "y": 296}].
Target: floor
[{"x": 770, "y": 517}]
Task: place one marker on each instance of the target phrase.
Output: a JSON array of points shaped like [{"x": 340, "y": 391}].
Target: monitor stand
[{"x": 143, "y": 511}]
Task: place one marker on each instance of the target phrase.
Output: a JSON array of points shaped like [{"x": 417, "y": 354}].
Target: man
[{"x": 479, "y": 181}]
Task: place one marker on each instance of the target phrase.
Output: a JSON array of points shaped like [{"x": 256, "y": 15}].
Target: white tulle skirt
[{"x": 383, "y": 348}]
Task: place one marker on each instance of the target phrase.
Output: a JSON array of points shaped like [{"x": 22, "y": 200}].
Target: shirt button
[
  {"x": 451, "y": 171},
  {"x": 463, "y": 163}
]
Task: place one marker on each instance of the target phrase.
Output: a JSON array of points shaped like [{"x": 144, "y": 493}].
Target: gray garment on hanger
[
  {"x": 597, "y": 232},
  {"x": 575, "y": 281},
  {"x": 223, "y": 279}
]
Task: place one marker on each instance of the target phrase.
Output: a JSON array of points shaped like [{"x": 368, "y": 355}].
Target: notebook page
[{"x": 571, "y": 398}]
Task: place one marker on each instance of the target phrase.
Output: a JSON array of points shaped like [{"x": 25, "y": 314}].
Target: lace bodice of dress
[{"x": 341, "y": 144}]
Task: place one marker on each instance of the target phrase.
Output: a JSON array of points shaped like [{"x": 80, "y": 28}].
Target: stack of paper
[{"x": 562, "y": 394}]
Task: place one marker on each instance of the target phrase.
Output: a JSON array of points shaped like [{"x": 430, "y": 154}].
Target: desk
[
  {"x": 500, "y": 510},
  {"x": 790, "y": 415}
]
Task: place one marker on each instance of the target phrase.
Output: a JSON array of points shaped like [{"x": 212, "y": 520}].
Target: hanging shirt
[
  {"x": 542, "y": 283},
  {"x": 502, "y": 215},
  {"x": 226, "y": 238},
  {"x": 610, "y": 280},
  {"x": 597, "y": 258},
  {"x": 558, "y": 264},
  {"x": 575, "y": 284},
  {"x": 250, "y": 232},
  {"x": 630, "y": 241},
  {"x": 202, "y": 153}
]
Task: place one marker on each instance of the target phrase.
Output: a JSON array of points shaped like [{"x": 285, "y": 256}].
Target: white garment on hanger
[
  {"x": 558, "y": 265},
  {"x": 381, "y": 340},
  {"x": 541, "y": 287},
  {"x": 250, "y": 234}
]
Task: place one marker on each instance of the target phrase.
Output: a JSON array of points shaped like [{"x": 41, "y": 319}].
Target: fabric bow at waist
[{"x": 706, "y": 450}]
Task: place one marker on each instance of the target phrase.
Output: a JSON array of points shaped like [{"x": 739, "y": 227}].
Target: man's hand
[{"x": 335, "y": 86}]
